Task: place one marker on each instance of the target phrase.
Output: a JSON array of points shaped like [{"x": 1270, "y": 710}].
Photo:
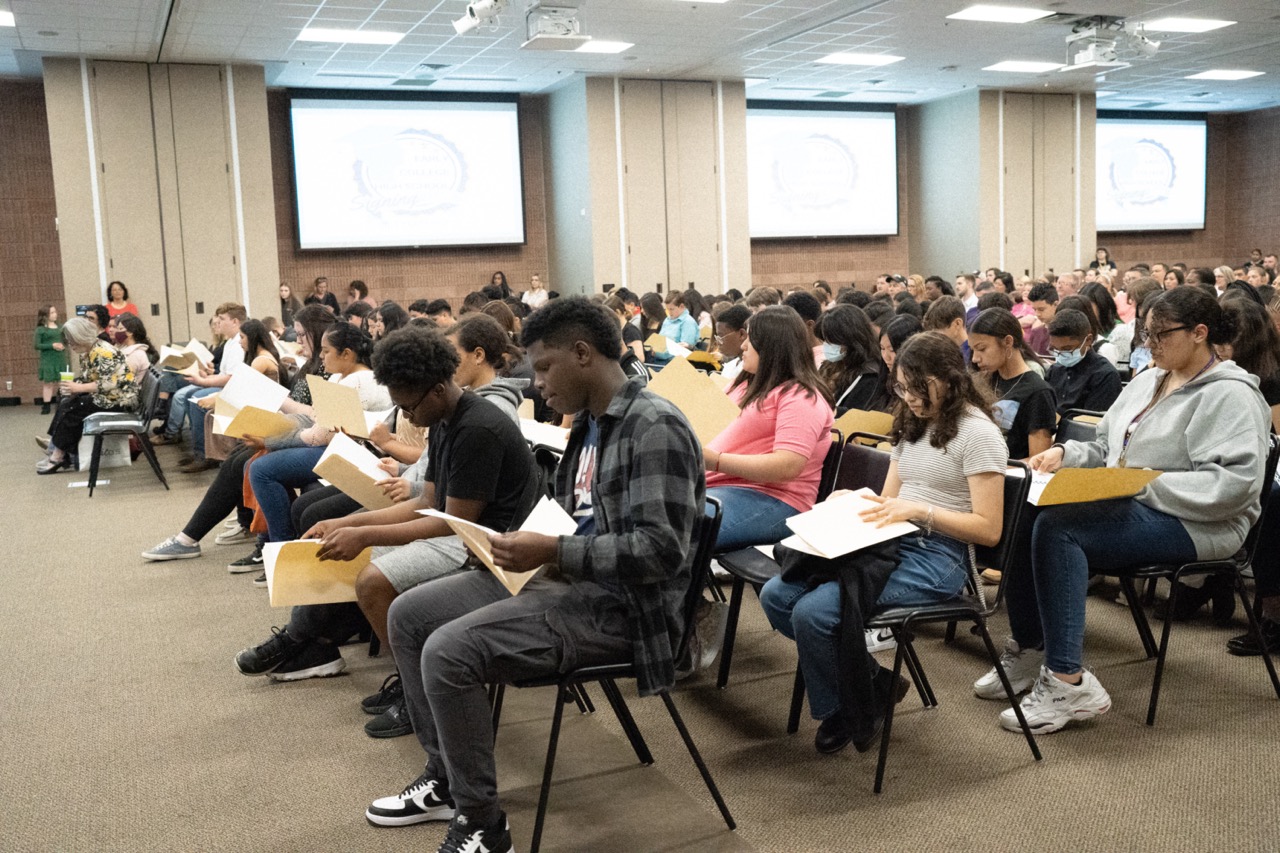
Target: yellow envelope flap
[
  {"x": 295, "y": 575},
  {"x": 706, "y": 407}
]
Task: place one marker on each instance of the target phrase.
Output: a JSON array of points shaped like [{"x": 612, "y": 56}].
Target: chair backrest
[
  {"x": 831, "y": 465},
  {"x": 149, "y": 393},
  {"x": 862, "y": 466},
  {"x": 546, "y": 460},
  {"x": 1078, "y": 425},
  {"x": 1015, "y": 534},
  {"x": 705, "y": 533},
  {"x": 1268, "y": 481}
]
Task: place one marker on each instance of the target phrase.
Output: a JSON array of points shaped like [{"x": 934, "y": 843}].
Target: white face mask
[{"x": 832, "y": 352}]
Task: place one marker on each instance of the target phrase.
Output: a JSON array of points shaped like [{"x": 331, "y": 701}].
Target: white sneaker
[
  {"x": 421, "y": 801},
  {"x": 235, "y": 536},
  {"x": 880, "y": 640},
  {"x": 1021, "y": 665},
  {"x": 1053, "y": 703}
]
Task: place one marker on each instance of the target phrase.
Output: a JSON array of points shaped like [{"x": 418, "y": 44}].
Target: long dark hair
[
  {"x": 506, "y": 318},
  {"x": 652, "y": 313},
  {"x": 480, "y": 331},
  {"x": 393, "y": 317},
  {"x": 1256, "y": 346},
  {"x": 315, "y": 320},
  {"x": 1000, "y": 324},
  {"x": 42, "y": 317},
  {"x": 1191, "y": 306},
  {"x": 846, "y": 326},
  {"x": 258, "y": 339},
  {"x": 1104, "y": 306},
  {"x": 781, "y": 341},
  {"x": 138, "y": 330},
  {"x": 932, "y": 355}
]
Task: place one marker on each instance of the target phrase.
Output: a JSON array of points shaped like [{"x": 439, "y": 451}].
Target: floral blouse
[{"x": 106, "y": 367}]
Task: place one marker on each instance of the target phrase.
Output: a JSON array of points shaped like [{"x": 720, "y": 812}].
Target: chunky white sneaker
[
  {"x": 1053, "y": 703},
  {"x": 880, "y": 640},
  {"x": 1021, "y": 665},
  {"x": 421, "y": 801}
]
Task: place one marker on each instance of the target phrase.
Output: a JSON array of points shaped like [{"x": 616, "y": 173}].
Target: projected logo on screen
[
  {"x": 415, "y": 172},
  {"x": 820, "y": 172},
  {"x": 1143, "y": 172}
]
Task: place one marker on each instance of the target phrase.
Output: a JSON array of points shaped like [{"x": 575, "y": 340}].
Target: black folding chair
[
  {"x": 1078, "y": 425},
  {"x": 971, "y": 607},
  {"x": 1233, "y": 567},
  {"x": 607, "y": 676},
  {"x": 752, "y": 566},
  {"x": 135, "y": 423}
]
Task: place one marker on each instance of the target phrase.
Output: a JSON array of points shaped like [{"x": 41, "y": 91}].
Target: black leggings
[
  {"x": 67, "y": 426},
  {"x": 322, "y": 504},
  {"x": 223, "y": 495},
  {"x": 1266, "y": 563}
]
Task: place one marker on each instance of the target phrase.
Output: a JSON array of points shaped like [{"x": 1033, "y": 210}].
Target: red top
[{"x": 129, "y": 308}]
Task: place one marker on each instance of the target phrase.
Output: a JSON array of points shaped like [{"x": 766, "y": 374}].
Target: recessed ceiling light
[
  {"x": 1019, "y": 66},
  {"x": 1103, "y": 93},
  {"x": 754, "y": 81},
  {"x": 349, "y": 36},
  {"x": 1225, "y": 74},
  {"x": 1000, "y": 14},
  {"x": 868, "y": 59},
  {"x": 6, "y": 20},
  {"x": 1187, "y": 25},
  {"x": 599, "y": 46}
]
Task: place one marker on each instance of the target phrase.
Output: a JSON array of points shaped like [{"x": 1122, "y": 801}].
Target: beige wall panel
[
  {"x": 736, "y": 240},
  {"x": 72, "y": 177},
  {"x": 943, "y": 143},
  {"x": 205, "y": 202},
  {"x": 1019, "y": 183},
  {"x": 1087, "y": 233},
  {"x": 644, "y": 185},
  {"x": 1056, "y": 186},
  {"x": 990, "y": 229},
  {"x": 693, "y": 198},
  {"x": 130, "y": 200},
  {"x": 604, "y": 218},
  {"x": 180, "y": 325},
  {"x": 253, "y": 138}
]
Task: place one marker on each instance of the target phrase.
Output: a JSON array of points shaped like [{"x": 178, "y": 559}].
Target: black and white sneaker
[
  {"x": 261, "y": 580},
  {"x": 391, "y": 692},
  {"x": 423, "y": 800},
  {"x": 250, "y": 563},
  {"x": 268, "y": 654},
  {"x": 466, "y": 837},
  {"x": 312, "y": 659}
]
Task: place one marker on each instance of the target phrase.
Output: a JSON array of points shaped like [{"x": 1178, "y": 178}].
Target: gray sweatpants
[{"x": 453, "y": 636}]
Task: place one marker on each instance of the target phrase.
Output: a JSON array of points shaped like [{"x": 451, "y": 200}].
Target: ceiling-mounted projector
[
  {"x": 553, "y": 27},
  {"x": 479, "y": 13}
]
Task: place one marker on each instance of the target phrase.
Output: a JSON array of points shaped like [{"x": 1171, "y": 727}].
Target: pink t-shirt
[{"x": 787, "y": 419}]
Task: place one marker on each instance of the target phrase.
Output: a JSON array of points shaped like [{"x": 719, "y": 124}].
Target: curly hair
[
  {"x": 348, "y": 336},
  {"x": 480, "y": 331},
  {"x": 563, "y": 321},
  {"x": 932, "y": 355},
  {"x": 415, "y": 357},
  {"x": 781, "y": 340}
]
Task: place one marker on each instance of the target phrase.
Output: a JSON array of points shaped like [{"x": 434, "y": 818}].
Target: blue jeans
[
  {"x": 750, "y": 517},
  {"x": 178, "y": 409},
  {"x": 930, "y": 569},
  {"x": 274, "y": 477},
  {"x": 1065, "y": 542}
]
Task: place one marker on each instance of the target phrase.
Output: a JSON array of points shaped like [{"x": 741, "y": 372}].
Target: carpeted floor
[{"x": 127, "y": 727}]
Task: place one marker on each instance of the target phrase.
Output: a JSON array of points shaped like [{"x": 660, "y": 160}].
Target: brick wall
[
  {"x": 30, "y": 263},
  {"x": 408, "y": 274}
]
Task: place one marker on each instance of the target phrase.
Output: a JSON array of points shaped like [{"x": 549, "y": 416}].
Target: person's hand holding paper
[
  {"x": 891, "y": 511},
  {"x": 343, "y": 544},
  {"x": 523, "y": 551},
  {"x": 1047, "y": 462}
]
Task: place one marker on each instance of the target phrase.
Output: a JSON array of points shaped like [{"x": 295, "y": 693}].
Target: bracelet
[
  {"x": 928, "y": 522},
  {"x": 717, "y": 465}
]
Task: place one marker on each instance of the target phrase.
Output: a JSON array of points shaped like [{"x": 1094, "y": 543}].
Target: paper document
[
  {"x": 859, "y": 420},
  {"x": 832, "y": 528},
  {"x": 248, "y": 387},
  {"x": 693, "y": 392},
  {"x": 547, "y": 518},
  {"x": 1081, "y": 485},
  {"x": 295, "y": 575},
  {"x": 337, "y": 406},
  {"x": 251, "y": 421},
  {"x": 355, "y": 470},
  {"x": 544, "y": 435}
]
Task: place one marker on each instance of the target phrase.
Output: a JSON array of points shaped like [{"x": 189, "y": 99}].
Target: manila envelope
[
  {"x": 694, "y": 393},
  {"x": 337, "y": 407},
  {"x": 296, "y": 576},
  {"x": 355, "y": 470},
  {"x": 1082, "y": 485}
]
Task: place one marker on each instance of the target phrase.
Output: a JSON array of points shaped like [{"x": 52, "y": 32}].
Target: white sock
[{"x": 186, "y": 540}]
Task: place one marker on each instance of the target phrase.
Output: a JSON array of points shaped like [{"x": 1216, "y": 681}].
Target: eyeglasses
[
  {"x": 903, "y": 391},
  {"x": 1157, "y": 338},
  {"x": 412, "y": 410}
]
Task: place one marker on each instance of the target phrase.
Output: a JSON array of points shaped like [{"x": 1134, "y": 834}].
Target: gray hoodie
[{"x": 1210, "y": 439}]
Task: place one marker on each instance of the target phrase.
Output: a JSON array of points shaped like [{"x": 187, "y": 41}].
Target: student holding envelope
[{"x": 1195, "y": 417}]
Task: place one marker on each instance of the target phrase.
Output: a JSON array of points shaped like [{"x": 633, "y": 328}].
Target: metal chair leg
[
  {"x": 1257, "y": 632},
  {"x": 497, "y": 692},
  {"x": 629, "y": 727},
  {"x": 1164, "y": 648},
  {"x": 1008, "y": 689},
  {"x": 797, "y": 702},
  {"x": 923, "y": 687},
  {"x": 730, "y": 631},
  {"x": 150, "y": 452},
  {"x": 697, "y": 759},
  {"x": 93, "y": 462},
  {"x": 888, "y": 720},
  {"x": 545, "y": 792},
  {"x": 1139, "y": 617}
]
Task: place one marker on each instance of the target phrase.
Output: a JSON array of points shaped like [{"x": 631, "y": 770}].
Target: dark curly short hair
[
  {"x": 563, "y": 321},
  {"x": 416, "y": 356}
]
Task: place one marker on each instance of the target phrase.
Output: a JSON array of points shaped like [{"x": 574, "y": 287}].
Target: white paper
[
  {"x": 546, "y": 435},
  {"x": 248, "y": 387},
  {"x": 1039, "y": 480},
  {"x": 352, "y": 451},
  {"x": 549, "y": 518},
  {"x": 678, "y": 350},
  {"x": 372, "y": 419},
  {"x": 832, "y": 528}
]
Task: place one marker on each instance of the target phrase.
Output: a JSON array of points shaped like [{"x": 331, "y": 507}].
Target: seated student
[
  {"x": 731, "y": 334},
  {"x": 766, "y": 465},
  {"x": 632, "y": 340},
  {"x": 1138, "y": 292},
  {"x": 1111, "y": 329},
  {"x": 632, "y": 477},
  {"x": 1104, "y": 348},
  {"x": 679, "y": 327},
  {"x": 226, "y": 492},
  {"x": 1025, "y": 408},
  {"x": 225, "y": 324},
  {"x": 387, "y": 317},
  {"x": 1196, "y": 418},
  {"x": 130, "y": 336},
  {"x": 946, "y": 315},
  {"x": 947, "y": 475},
  {"x": 810, "y": 311},
  {"x": 320, "y": 295},
  {"x": 894, "y": 335},
  {"x": 1044, "y": 301},
  {"x": 1080, "y": 378},
  {"x": 850, "y": 365}
]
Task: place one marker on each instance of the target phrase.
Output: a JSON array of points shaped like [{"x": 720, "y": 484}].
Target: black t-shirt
[
  {"x": 329, "y": 299},
  {"x": 630, "y": 335},
  {"x": 1093, "y": 384},
  {"x": 479, "y": 454},
  {"x": 1270, "y": 388},
  {"x": 1026, "y": 404},
  {"x": 862, "y": 393}
]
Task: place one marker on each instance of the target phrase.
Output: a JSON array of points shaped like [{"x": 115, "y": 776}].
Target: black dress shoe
[
  {"x": 833, "y": 735},
  {"x": 1247, "y": 645}
]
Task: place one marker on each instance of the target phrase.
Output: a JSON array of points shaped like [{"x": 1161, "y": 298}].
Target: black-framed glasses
[
  {"x": 411, "y": 410},
  {"x": 1157, "y": 338},
  {"x": 902, "y": 390}
]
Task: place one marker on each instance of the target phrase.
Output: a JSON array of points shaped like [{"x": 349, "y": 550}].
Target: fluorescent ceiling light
[
  {"x": 6, "y": 20},
  {"x": 706, "y": 1},
  {"x": 1019, "y": 66},
  {"x": 1000, "y": 14},
  {"x": 1103, "y": 93},
  {"x": 869, "y": 59},
  {"x": 754, "y": 81},
  {"x": 598, "y": 46},
  {"x": 349, "y": 36},
  {"x": 1225, "y": 74},
  {"x": 1187, "y": 25}
]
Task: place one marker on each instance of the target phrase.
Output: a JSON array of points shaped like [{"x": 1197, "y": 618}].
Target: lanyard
[{"x": 1155, "y": 398}]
